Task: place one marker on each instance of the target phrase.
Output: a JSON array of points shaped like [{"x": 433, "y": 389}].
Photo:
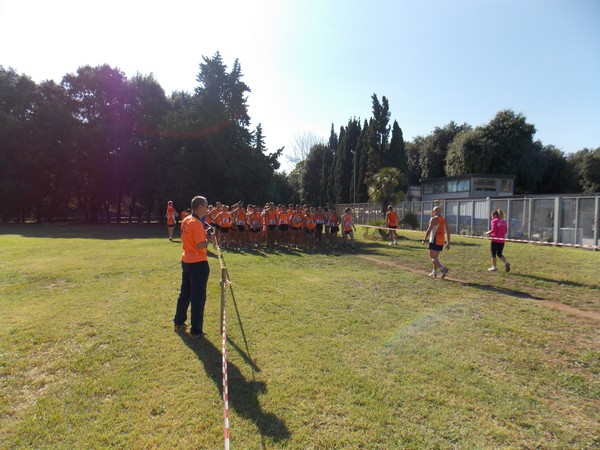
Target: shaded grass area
[{"x": 342, "y": 352}]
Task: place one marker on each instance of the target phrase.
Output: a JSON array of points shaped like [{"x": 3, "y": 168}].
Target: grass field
[{"x": 343, "y": 350}]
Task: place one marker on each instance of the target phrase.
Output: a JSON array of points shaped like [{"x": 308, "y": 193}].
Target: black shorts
[
  {"x": 255, "y": 230},
  {"x": 497, "y": 249},
  {"x": 171, "y": 226},
  {"x": 284, "y": 227},
  {"x": 335, "y": 229},
  {"x": 224, "y": 230},
  {"x": 347, "y": 232},
  {"x": 295, "y": 229},
  {"x": 215, "y": 226},
  {"x": 319, "y": 227},
  {"x": 393, "y": 228},
  {"x": 435, "y": 247},
  {"x": 241, "y": 228},
  {"x": 309, "y": 231},
  {"x": 271, "y": 227}
]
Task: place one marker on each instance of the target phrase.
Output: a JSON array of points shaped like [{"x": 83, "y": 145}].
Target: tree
[
  {"x": 558, "y": 175},
  {"x": 586, "y": 163},
  {"x": 513, "y": 149},
  {"x": 433, "y": 149},
  {"x": 302, "y": 145},
  {"x": 384, "y": 187},
  {"x": 329, "y": 159},
  {"x": 397, "y": 153},
  {"x": 469, "y": 152},
  {"x": 343, "y": 183},
  {"x": 311, "y": 175}
]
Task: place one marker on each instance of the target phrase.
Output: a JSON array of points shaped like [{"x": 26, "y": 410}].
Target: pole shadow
[{"x": 243, "y": 393}]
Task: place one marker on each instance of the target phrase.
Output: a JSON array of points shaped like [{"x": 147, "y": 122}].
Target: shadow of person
[{"x": 243, "y": 394}]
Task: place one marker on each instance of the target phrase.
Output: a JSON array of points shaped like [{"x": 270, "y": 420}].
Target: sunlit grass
[{"x": 343, "y": 351}]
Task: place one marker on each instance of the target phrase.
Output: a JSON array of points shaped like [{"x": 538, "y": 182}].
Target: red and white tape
[
  {"x": 225, "y": 383},
  {"x": 521, "y": 241}
]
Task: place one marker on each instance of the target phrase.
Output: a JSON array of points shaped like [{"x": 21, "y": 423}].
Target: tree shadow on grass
[{"x": 243, "y": 393}]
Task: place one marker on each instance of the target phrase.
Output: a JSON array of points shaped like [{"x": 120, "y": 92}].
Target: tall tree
[
  {"x": 343, "y": 183},
  {"x": 511, "y": 138},
  {"x": 469, "y": 152},
  {"x": 397, "y": 151},
  {"x": 435, "y": 147},
  {"x": 329, "y": 161},
  {"x": 311, "y": 175}
]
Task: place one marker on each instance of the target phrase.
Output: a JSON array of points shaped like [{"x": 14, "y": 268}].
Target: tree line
[
  {"x": 359, "y": 161},
  {"x": 99, "y": 143}
]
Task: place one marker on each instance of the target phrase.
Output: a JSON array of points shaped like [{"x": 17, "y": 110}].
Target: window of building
[
  {"x": 428, "y": 188},
  {"x": 506, "y": 186},
  {"x": 463, "y": 186},
  {"x": 485, "y": 184}
]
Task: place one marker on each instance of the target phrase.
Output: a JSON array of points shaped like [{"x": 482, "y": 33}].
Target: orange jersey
[
  {"x": 225, "y": 220},
  {"x": 297, "y": 219},
  {"x": 271, "y": 217},
  {"x": 438, "y": 230},
  {"x": 310, "y": 222},
  {"x": 171, "y": 215},
  {"x": 240, "y": 217},
  {"x": 320, "y": 217},
  {"x": 347, "y": 222},
  {"x": 391, "y": 219},
  {"x": 283, "y": 219},
  {"x": 254, "y": 220},
  {"x": 192, "y": 233}
]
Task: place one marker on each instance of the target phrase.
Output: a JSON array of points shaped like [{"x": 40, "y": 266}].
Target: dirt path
[{"x": 589, "y": 315}]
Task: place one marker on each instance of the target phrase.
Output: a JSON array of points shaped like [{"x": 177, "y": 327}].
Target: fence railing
[{"x": 563, "y": 219}]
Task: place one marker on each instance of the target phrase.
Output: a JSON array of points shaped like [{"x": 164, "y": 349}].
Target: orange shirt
[
  {"x": 391, "y": 219},
  {"x": 271, "y": 217},
  {"x": 171, "y": 215},
  {"x": 225, "y": 220},
  {"x": 320, "y": 216},
  {"x": 310, "y": 221},
  {"x": 283, "y": 218},
  {"x": 192, "y": 233},
  {"x": 297, "y": 219},
  {"x": 347, "y": 222}
]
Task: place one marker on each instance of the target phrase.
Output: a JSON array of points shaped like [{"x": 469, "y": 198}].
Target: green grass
[{"x": 344, "y": 350}]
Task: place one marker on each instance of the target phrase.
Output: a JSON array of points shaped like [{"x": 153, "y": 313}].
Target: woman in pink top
[{"x": 498, "y": 234}]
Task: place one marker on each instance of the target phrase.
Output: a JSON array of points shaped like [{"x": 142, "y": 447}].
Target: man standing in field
[
  {"x": 435, "y": 233},
  {"x": 194, "y": 269}
]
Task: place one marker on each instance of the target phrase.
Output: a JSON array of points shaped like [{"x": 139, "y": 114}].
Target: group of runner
[{"x": 292, "y": 226}]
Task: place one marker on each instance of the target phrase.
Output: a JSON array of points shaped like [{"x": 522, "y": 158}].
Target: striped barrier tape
[
  {"x": 520, "y": 241},
  {"x": 224, "y": 283}
]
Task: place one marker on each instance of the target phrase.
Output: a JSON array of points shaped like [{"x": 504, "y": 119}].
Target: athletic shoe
[
  {"x": 444, "y": 272},
  {"x": 433, "y": 274},
  {"x": 180, "y": 327},
  {"x": 507, "y": 267},
  {"x": 492, "y": 269},
  {"x": 200, "y": 335}
]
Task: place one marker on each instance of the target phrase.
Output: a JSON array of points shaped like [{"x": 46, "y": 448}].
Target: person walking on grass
[
  {"x": 498, "y": 234},
  {"x": 436, "y": 231},
  {"x": 171, "y": 216},
  {"x": 391, "y": 222},
  {"x": 194, "y": 269}
]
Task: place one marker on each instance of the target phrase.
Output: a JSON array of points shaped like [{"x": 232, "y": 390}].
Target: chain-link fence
[{"x": 566, "y": 219}]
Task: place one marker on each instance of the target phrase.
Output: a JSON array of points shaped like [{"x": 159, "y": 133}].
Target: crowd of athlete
[{"x": 293, "y": 226}]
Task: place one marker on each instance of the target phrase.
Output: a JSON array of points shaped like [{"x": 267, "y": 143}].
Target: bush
[{"x": 410, "y": 220}]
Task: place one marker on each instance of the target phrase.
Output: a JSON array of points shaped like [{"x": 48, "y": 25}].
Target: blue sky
[{"x": 312, "y": 63}]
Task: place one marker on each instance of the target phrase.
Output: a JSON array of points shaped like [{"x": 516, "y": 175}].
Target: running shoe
[
  {"x": 507, "y": 267},
  {"x": 493, "y": 269},
  {"x": 444, "y": 272}
]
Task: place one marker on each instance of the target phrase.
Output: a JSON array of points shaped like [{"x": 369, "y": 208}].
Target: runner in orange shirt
[
  {"x": 283, "y": 226},
  {"x": 391, "y": 221},
  {"x": 438, "y": 227},
  {"x": 225, "y": 221},
  {"x": 320, "y": 219},
  {"x": 310, "y": 224},
  {"x": 348, "y": 227},
  {"x": 296, "y": 221},
  {"x": 171, "y": 216},
  {"x": 334, "y": 227}
]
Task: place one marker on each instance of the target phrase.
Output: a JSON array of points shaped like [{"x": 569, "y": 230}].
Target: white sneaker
[
  {"x": 391, "y": 243},
  {"x": 433, "y": 274},
  {"x": 492, "y": 269}
]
